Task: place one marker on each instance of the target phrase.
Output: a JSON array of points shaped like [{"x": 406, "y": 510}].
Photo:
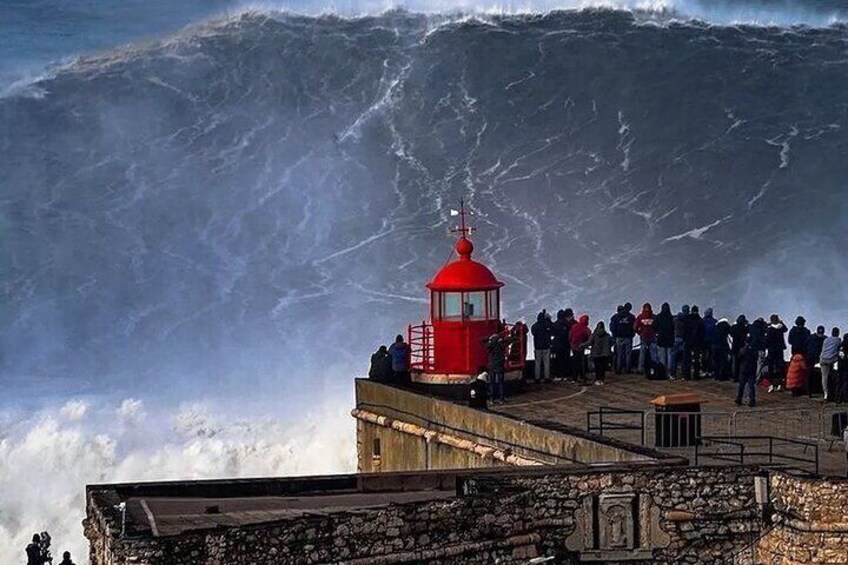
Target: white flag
[{"x": 454, "y": 212}]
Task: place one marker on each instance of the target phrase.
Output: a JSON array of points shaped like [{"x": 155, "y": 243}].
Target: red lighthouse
[{"x": 464, "y": 312}]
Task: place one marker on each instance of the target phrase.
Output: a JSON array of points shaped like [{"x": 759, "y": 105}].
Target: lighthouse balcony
[{"x": 458, "y": 360}]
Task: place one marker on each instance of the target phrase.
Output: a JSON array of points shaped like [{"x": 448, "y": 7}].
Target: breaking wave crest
[
  {"x": 721, "y": 12},
  {"x": 47, "y": 459}
]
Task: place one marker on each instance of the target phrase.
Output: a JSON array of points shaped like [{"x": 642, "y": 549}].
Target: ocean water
[{"x": 212, "y": 212}]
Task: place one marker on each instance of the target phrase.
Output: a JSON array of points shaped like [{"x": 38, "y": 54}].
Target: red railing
[
  {"x": 422, "y": 358},
  {"x": 516, "y": 352},
  {"x": 420, "y": 339}
]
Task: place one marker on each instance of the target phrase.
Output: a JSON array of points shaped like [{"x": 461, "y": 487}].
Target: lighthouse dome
[{"x": 464, "y": 274}]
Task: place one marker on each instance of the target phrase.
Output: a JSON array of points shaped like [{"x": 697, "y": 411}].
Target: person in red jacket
[
  {"x": 644, "y": 327},
  {"x": 578, "y": 338}
]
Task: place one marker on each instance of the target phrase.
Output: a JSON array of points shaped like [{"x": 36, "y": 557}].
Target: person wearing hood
[
  {"x": 613, "y": 328},
  {"x": 600, "y": 351},
  {"x": 693, "y": 344},
  {"x": 798, "y": 336},
  {"x": 738, "y": 337},
  {"x": 578, "y": 337},
  {"x": 496, "y": 348},
  {"x": 758, "y": 331},
  {"x": 624, "y": 333},
  {"x": 644, "y": 327},
  {"x": 560, "y": 348},
  {"x": 381, "y": 365},
  {"x": 542, "y": 334},
  {"x": 721, "y": 349},
  {"x": 829, "y": 357},
  {"x": 775, "y": 347},
  {"x": 748, "y": 363},
  {"x": 401, "y": 356},
  {"x": 665, "y": 339},
  {"x": 709, "y": 336}
]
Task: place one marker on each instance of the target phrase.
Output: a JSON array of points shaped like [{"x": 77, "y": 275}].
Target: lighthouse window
[
  {"x": 474, "y": 306},
  {"x": 450, "y": 305},
  {"x": 493, "y": 304}
]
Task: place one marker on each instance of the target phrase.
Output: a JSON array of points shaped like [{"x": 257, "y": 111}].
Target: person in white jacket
[{"x": 829, "y": 357}]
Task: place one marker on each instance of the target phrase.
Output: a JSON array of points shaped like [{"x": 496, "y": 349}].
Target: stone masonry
[
  {"x": 627, "y": 514},
  {"x": 809, "y": 522}
]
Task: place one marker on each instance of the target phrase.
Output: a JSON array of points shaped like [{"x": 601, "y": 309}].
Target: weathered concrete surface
[{"x": 407, "y": 450}]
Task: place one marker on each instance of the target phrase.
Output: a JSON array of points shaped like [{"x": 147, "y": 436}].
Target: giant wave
[{"x": 244, "y": 210}]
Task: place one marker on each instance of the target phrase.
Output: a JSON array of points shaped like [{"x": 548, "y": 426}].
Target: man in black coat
[
  {"x": 560, "y": 349},
  {"x": 542, "y": 334},
  {"x": 775, "y": 346},
  {"x": 721, "y": 350},
  {"x": 496, "y": 348},
  {"x": 664, "y": 326},
  {"x": 613, "y": 330},
  {"x": 381, "y": 365},
  {"x": 798, "y": 336},
  {"x": 694, "y": 336},
  {"x": 625, "y": 331},
  {"x": 814, "y": 347},
  {"x": 747, "y": 374},
  {"x": 738, "y": 338}
]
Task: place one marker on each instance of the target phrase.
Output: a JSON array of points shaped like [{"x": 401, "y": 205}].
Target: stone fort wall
[
  {"x": 809, "y": 523},
  {"x": 629, "y": 514}
]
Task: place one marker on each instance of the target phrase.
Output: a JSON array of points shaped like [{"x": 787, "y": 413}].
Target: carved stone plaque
[
  {"x": 616, "y": 520},
  {"x": 617, "y": 527}
]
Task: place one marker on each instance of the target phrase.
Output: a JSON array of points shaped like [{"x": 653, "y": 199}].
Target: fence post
[
  {"x": 601, "y": 420},
  {"x": 771, "y": 450},
  {"x": 816, "y": 447}
]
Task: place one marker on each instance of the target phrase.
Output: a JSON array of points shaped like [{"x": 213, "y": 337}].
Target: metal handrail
[
  {"x": 422, "y": 354},
  {"x": 745, "y": 453},
  {"x": 603, "y": 425}
]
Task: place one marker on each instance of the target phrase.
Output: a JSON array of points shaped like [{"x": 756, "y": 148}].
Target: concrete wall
[
  {"x": 809, "y": 522},
  {"x": 404, "y": 451},
  {"x": 684, "y": 515}
]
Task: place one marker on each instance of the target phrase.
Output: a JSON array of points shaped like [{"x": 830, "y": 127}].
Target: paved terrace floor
[{"x": 778, "y": 414}]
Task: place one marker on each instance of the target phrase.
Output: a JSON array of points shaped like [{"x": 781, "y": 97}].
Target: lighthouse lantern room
[{"x": 464, "y": 311}]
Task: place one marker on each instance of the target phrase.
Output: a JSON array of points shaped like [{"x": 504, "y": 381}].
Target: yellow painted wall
[{"x": 405, "y": 452}]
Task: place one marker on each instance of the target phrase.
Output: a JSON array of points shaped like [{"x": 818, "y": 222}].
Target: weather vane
[{"x": 462, "y": 228}]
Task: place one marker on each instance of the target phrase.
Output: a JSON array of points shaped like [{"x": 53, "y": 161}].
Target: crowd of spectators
[{"x": 692, "y": 346}]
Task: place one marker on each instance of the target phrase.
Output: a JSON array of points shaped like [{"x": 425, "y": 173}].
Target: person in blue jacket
[{"x": 400, "y": 354}]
